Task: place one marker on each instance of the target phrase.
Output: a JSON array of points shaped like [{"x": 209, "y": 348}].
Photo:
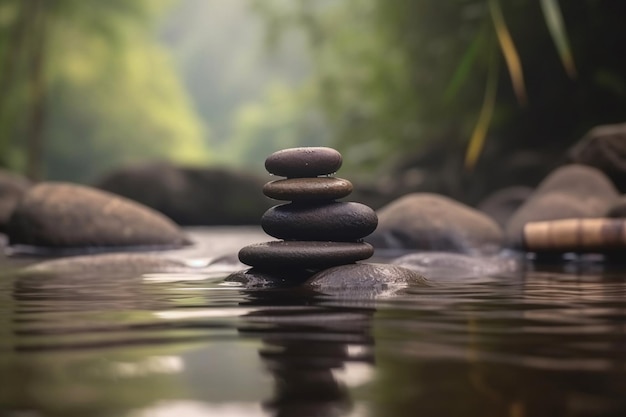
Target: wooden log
[{"x": 575, "y": 235}]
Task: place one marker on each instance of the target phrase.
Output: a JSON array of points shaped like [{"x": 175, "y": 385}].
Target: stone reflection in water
[{"x": 308, "y": 348}]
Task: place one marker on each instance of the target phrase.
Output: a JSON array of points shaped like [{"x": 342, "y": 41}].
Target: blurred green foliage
[
  {"x": 85, "y": 87},
  {"x": 395, "y": 76},
  {"x": 247, "y": 93},
  {"x": 88, "y": 85}
]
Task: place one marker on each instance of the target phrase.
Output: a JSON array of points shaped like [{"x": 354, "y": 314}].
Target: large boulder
[
  {"x": 604, "y": 147},
  {"x": 192, "y": 196},
  {"x": 425, "y": 221},
  {"x": 64, "y": 215},
  {"x": 12, "y": 187},
  {"x": 572, "y": 191}
]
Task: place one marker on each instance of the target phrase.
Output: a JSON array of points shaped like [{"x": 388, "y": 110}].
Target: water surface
[{"x": 543, "y": 342}]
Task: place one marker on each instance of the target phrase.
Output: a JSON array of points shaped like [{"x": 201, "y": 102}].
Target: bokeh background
[{"x": 417, "y": 94}]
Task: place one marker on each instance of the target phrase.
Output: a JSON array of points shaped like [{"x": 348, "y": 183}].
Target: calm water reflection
[{"x": 544, "y": 343}]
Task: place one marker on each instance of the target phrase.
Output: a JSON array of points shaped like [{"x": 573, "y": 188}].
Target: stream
[{"x": 543, "y": 341}]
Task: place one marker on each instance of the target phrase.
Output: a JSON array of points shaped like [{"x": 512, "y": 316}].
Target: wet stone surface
[
  {"x": 277, "y": 255},
  {"x": 365, "y": 276},
  {"x": 308, "y": 189},
  {"x": 303, "y": 162},
  {"x": 317, "y": 231},
  {"x": 336, "y": 221},
  {"x": 63, "y": 215}
]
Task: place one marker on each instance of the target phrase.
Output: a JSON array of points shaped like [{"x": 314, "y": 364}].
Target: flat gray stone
[
  {"x": 279, "y": 255},
  {"x": 335, "y": 221},
  {"x": 308, "y": 189},
  {"x": 63, "y": 215},
  {"x": 108, "y": 263},
  {"x": 365, "y": 276},
  {"x": 303, "y": 162}
]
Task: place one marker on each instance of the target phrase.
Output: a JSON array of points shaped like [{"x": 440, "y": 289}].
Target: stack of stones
[{"x": 315, "y": 230}]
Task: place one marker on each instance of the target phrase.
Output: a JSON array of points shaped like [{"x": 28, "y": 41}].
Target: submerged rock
[
  {"x": 64, "y": 215},
  {"x": 108, "y": 263},
  {"x": 572, "y": 191},
  {"x": 445, "y": 266},
  {"x": 365, "y": 276},
  {"x": 425, "y": 221}
]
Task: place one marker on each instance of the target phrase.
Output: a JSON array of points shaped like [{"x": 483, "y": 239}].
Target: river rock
[
  {"x": 278, "y": 255},
  {"x": 336, "y": 221},
  {"x": 365, "y": 275},
  {"x": 12, "y": 187},
  {"x": 66, "y": 215},
  {"x": 501, "y": 204},
  {"x": 192, "y": 196},
  {"x": 452, "y": 267},
  {"x": 572, "y": 191},
  {"x": 108, "y": 263},
  {"x": 604, "y": 148},
  {"x": 303, "y": 162},
  {"x": 425, "y": 221},
  {"x": 308, "y": 189}
]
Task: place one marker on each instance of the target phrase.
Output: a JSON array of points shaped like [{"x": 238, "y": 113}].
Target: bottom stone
[
  {"x": 367, "y": 276},
  {"x": 303, "y": 254},
  {"x": 254, "y": 278}
]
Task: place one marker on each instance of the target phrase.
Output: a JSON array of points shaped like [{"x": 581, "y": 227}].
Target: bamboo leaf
[
  {"x": 477, "y": 140},
  {"x": 554, "y": 20},
  {"x": 461, "y": 75},
  {"x": 509, "y": 51}
]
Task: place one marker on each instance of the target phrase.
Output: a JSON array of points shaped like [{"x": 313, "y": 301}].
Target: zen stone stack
[{"x": 315, "y": 230}]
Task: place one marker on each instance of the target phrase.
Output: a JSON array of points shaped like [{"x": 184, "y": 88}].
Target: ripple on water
[{"x": 542, "y": 343}]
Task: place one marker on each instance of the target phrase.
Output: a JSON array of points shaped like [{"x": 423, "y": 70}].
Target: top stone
[{"x": 303, "y": 162}]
